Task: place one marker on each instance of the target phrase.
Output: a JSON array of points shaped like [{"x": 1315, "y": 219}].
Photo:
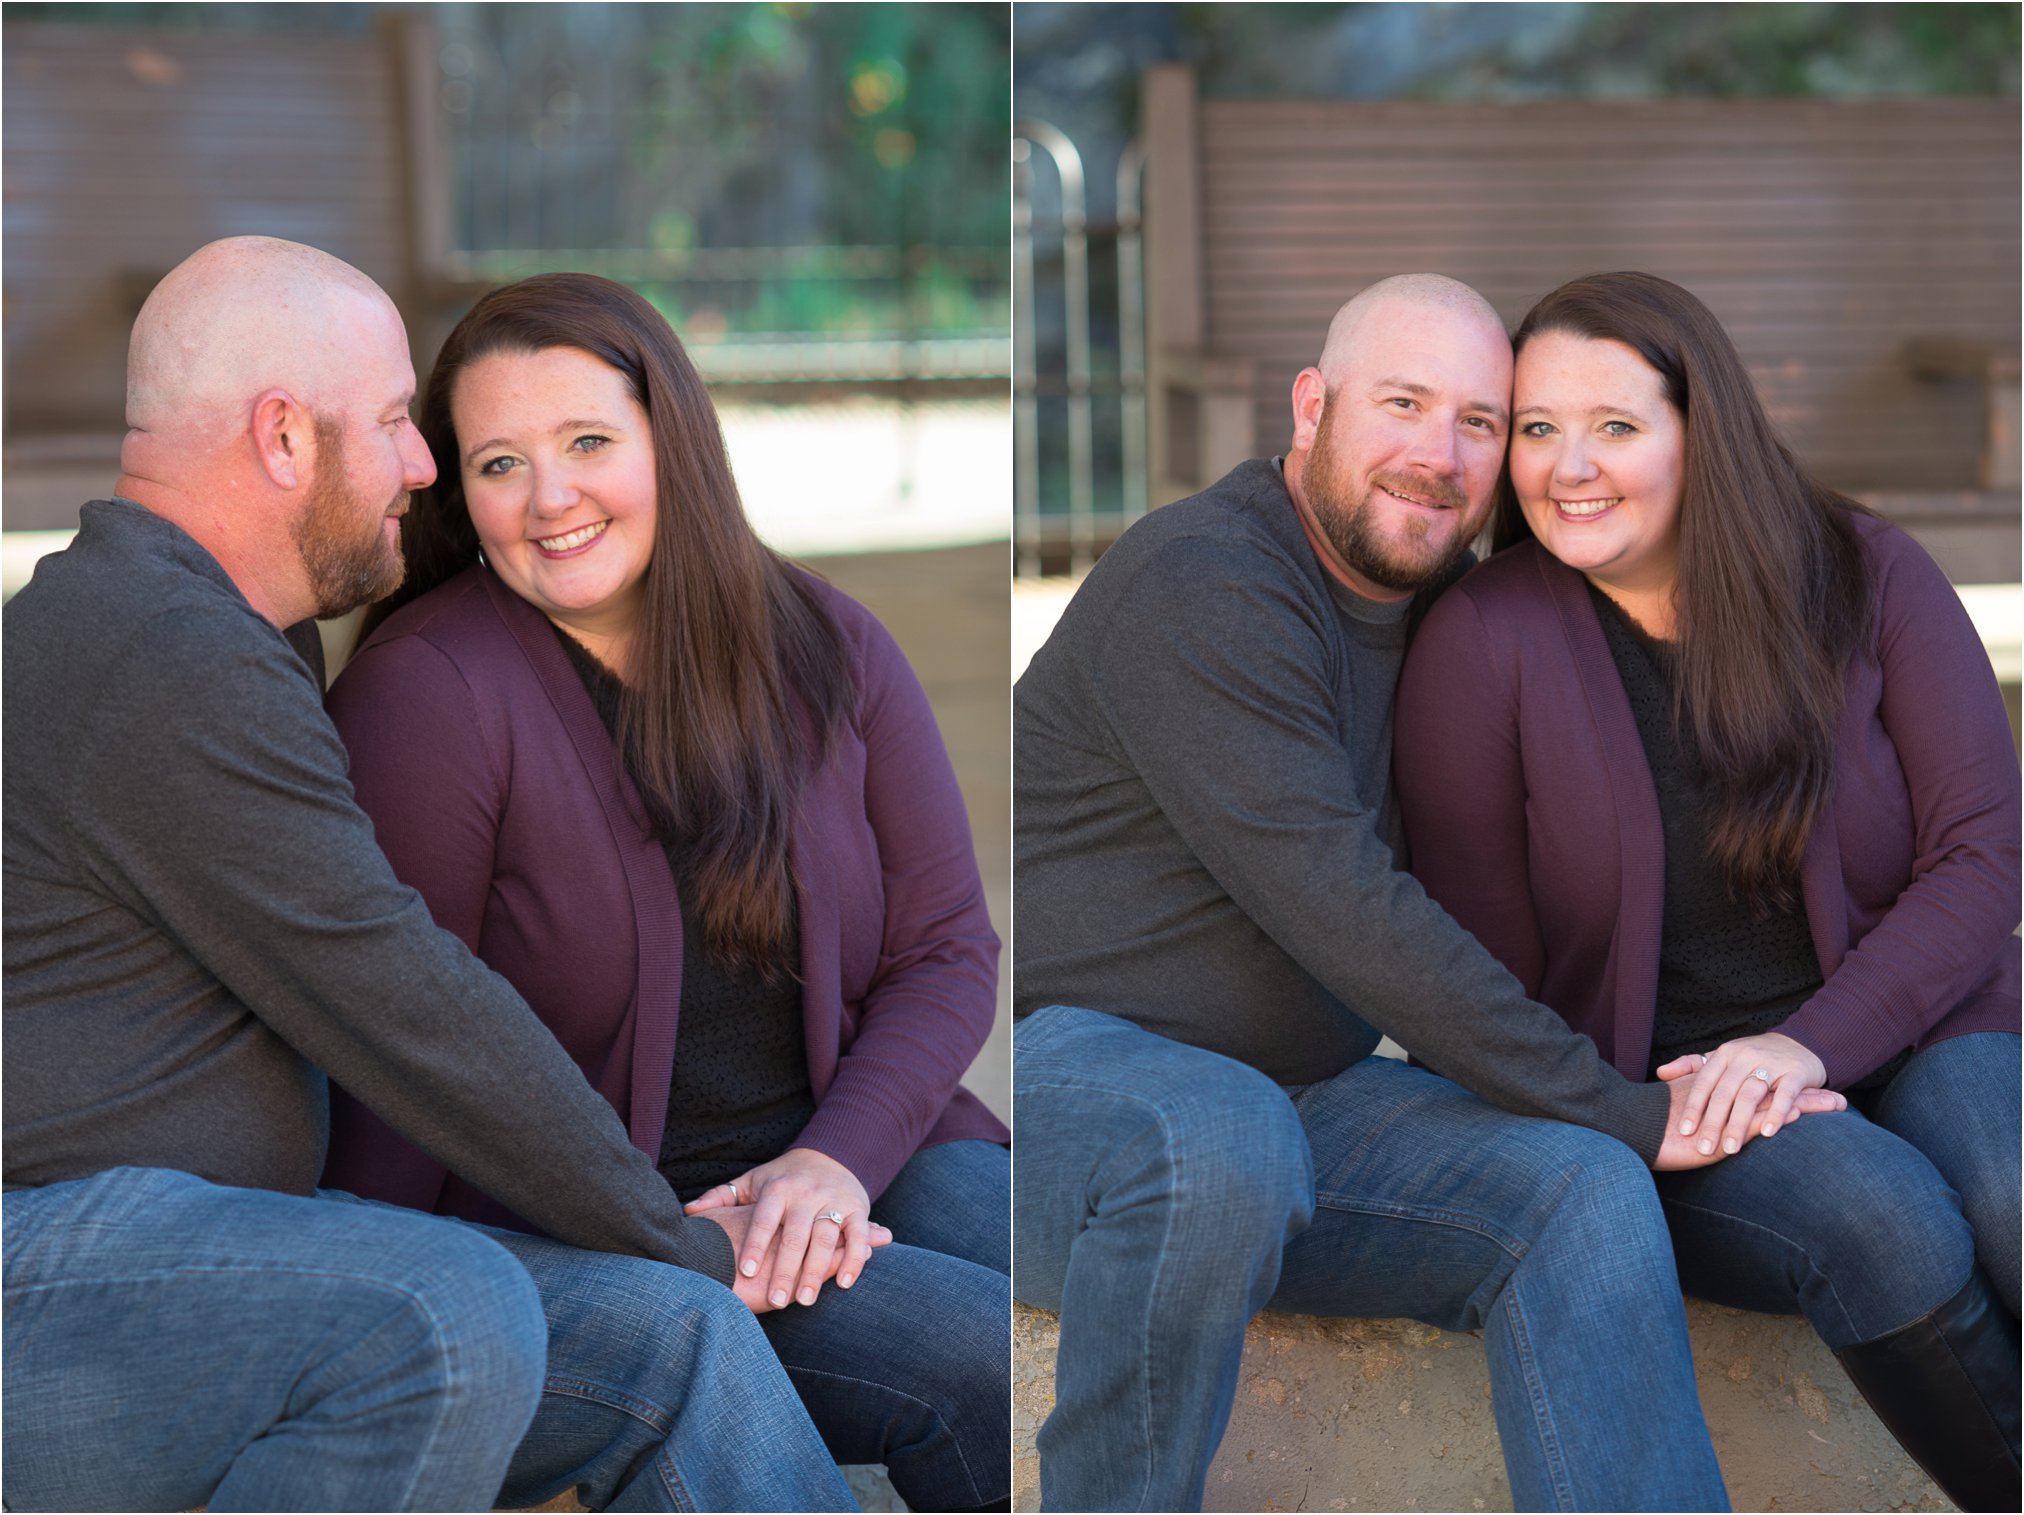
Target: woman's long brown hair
[
  {"x": 1772, "y": 601},
  {"x": 736, "y": 679}
]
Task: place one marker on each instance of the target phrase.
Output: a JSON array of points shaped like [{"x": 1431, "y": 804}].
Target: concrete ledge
[{"x": 1393, "y": 1415}]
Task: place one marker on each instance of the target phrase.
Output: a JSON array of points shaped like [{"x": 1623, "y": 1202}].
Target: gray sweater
[
  {"x": 1202, "y": 819},
  {"x": 198, "y": 924}
]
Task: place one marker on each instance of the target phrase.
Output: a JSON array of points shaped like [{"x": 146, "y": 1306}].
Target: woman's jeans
[
  {"x": 1865, "y": 1221},
  {"x": 1165, "y": 1194},
  {"x": 911, "y": 1366},
  {"x": 171, "y": 1343}
]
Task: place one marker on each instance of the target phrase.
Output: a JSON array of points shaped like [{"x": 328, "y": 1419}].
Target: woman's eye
[
  {"x": 1534, "y": 429},
  {"x": 591, "y": 443},
  {"x": 1618, "y": 428},
  {"x": 492, "y": 468}
]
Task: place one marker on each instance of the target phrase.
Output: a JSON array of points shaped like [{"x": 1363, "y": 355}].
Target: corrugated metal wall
[{"x": 1825, "y": 236}]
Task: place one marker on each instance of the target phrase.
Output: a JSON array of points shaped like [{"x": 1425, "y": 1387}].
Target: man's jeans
[
  {"x": 1165, "y": 1194},
  {"x": 1856, "y": 1220},
  {"x": 171, "y": 1343}
]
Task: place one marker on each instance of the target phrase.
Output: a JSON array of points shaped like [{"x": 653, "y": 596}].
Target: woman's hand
[
  {"x": 1730, "y": 1084},
  {"x": 793, "y": 1198}
]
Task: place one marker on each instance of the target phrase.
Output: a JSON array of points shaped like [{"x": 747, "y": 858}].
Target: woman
[
  {"x": 691, "y": 802},
  {"x": 1713, "y": 760}
]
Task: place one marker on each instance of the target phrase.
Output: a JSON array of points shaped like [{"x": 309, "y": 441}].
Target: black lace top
[{"x": 740, "y": 1092}]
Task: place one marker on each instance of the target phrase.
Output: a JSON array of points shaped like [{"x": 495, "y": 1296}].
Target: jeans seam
[
  {"x": 1169, "y": 1144},
  {"x": 1513, "y": 1245},
  {"x": 645, "y": 1411},
  {"x": 1535, "y": 1391},
  {"x": 1834, "y": 1293},
  {"x": 955, "y": 1441}
]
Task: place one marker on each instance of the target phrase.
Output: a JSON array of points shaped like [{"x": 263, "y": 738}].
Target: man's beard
[
  {"x": 348, "y": 558},
  {"x": 1406, "y": 561}
]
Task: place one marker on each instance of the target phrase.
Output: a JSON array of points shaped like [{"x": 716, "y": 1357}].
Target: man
[
  {"x": 198, "y": 925},
  {"x": 1212, "y": 936}
]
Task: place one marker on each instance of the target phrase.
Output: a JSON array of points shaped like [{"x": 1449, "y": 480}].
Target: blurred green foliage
[{"x": 1479, "y": 52}]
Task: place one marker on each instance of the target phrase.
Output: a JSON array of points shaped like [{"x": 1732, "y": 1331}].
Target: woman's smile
[
  {"x": 572, "y": 542},
  {"x": 1584, "y": 510}
]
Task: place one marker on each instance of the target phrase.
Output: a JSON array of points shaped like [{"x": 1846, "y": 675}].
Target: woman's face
[
  {"x": 557, "y": 461},
  {"x": 1597, "y": 455}
]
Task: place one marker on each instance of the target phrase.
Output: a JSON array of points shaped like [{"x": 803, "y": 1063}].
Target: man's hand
[
  {"x": 755, "y": 1290},
  {"x": 1730, "y": 1084},
  {"x": 1680, "y": 1151}
]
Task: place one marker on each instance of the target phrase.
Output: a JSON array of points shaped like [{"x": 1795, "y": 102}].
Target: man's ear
[
  {"x": 1310, "y": 395},
  {"x": 284, "y": 439}
]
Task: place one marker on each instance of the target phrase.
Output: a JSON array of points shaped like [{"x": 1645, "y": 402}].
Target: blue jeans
[
  {"x": 171, "y": 1343},
  {"x": 1165, "y": 1194},
  {"x": 911, "y": 1366},
  {"x": 955, "y": 1198},
  {"x": 1863, "y": 1222}
]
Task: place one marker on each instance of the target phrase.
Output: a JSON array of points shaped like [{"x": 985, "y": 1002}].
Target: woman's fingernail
[
  {"x": 748, "y": 1267},
  {"x": 845, "y": 1280},
  {"x": 779, "y": 1299},
  {"x": 806, "y": 1296},
  {"x": 1707, "y": 1147},
  {"x": 1729, "y": 1144},
  {"x": 1686, "y": 1128},
  {"x": 1771, "y": 1128}
]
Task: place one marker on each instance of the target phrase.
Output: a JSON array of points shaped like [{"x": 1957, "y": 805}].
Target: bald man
[
  {"x": 199, "y": 926},
  {"x": 1212, "y": 937}
]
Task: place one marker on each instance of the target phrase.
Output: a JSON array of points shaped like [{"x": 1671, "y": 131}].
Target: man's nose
[
  {"x": 418, "y": 467},
  {"x": 1435, "y": 451}
]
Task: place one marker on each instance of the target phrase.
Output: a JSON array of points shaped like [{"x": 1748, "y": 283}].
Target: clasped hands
[
  {"x": 779, "y": 1219},
  {"x": 1753, "y": 1086}
]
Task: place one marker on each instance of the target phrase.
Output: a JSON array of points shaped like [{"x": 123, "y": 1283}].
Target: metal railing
[{"x": 1075, "y": 490}]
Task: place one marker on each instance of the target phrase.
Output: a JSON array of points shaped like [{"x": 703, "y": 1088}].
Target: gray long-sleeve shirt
[
  {"x": 199, "y": 925},
  {"x": 1201, "y": 833}
]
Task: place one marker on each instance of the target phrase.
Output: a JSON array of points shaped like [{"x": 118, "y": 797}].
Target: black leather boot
[{"x": 1946, "y": 1387}]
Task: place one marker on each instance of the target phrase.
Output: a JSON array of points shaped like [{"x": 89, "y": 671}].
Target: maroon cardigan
[
  {"x": 1530, "y": 813},
  {"x": 497, "y": 793}
]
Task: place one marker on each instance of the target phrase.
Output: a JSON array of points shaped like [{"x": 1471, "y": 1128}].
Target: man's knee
[
  {"x": 469, "y": 1307},
  {"x": 1598, "y": 1186},
  {"x": 1223, "y": 1143}
]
